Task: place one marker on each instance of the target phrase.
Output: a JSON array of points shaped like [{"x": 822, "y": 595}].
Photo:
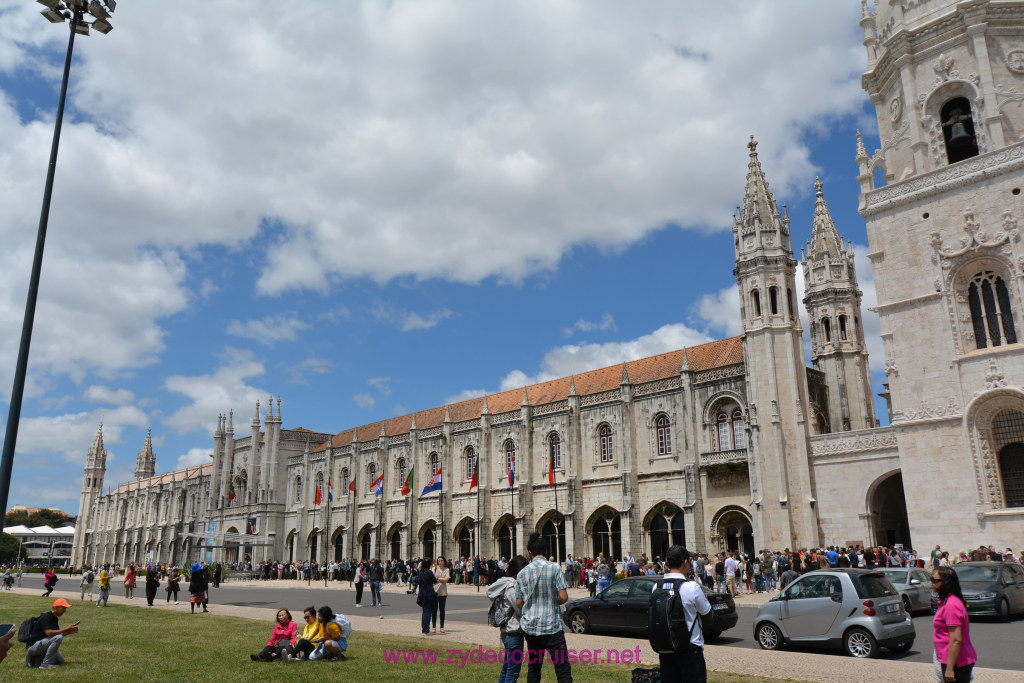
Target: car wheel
[
  {"x": 768, "y": 637},
  {"x": 1004, "y": 610},
  {"x": 711, "y": 635},
  {"x": 907, "y": 606},
  {"x": 579, "y": 623},
  {"x": 859, "y": 643}
]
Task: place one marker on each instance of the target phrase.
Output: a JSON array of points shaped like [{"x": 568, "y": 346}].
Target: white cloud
[
  {"x": 364, "y": 400},
  {"x": 581, "y": 325},
  {"x": 464, "y": 395},
  {"x": 381, "y": 384},
  {"x": 195, "y": 456},
  {"x": 269, "y": 330},
  {"x": 576, "y": 358},
  {"x": 721, "y": 311},
  {"x": 216, "y": 393},
  {"x": 434, "y": 153},
  {"x": 414, "y": 321},
  {"x": 98, "y": 393},
  {"x": 316, "y": 366},
  {"x": 72, "y": 434}
]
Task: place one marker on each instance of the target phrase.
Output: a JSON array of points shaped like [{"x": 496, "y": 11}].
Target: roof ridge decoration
[
  {"x": 625, "y": 374},
  {"x": 759, "y": 212},
  {"x": 572, "y": 385}
]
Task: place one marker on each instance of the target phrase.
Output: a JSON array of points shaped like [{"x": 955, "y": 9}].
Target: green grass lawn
[{"x": 120, "y": 643}]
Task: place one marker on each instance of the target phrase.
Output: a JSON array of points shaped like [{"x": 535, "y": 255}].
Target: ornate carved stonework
[
  {"x": 719, "y": 373},
  {"x": 603, "y": 397},
  {"x": 927, "y": 413},
  {"x": 896, "y": 109},
  {"x": 431, "y": 433},
  {"x": 507, "y": 417},
  {"x": 1015, "y": 61},
  {"x": 549, "y": 408},
  {"x": 658, "y": 386},
  {"x": 853, "y": 442}
]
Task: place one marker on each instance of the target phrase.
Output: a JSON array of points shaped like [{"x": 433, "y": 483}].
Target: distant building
[{"x": 38, "y": 542}]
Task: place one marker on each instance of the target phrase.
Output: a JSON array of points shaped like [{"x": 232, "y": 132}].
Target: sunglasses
[
  {"x": 936, "y": 580},
  {"x": 308, "y": 616}
]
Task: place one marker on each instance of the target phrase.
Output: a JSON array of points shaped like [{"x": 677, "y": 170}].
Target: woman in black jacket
[{"x": 152, "y": 584}]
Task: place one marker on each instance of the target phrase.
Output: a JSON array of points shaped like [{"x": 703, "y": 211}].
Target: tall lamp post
[{"x": 57, "y": 12}]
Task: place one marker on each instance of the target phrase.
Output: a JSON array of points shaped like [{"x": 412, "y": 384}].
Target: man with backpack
[
  {"x": 675, "y": 628},
  {"x": 540, "y": 590},
  {"x": 87, "y": 578},
  {"x": 42, "y": 636}
]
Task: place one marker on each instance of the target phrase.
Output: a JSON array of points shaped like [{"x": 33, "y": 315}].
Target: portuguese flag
[
  {"x": 474, "y": 481},
  {"x": 318, "y": 500},
  {"x": 551, "y": 465},
  {"x": 407, "y": 486},
  {"x": 231, "y": 493}
]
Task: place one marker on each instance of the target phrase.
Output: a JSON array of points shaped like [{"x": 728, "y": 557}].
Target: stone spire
[
  {"x": 231, "y": 415},
  {"x": 625, "y": 374},
  {"x": 256, "y": 417},
  {"x": 145, "y": 463},
  {"x": 572, "y": 385},
  {"x": 412, "y": 425},
  {"x": 447, "y": 413},
  {"x": 825, "y": 240},
  {"x": 758, "y": 227},
  {"x": 96, "y": 458},
  {"x": 485, "y": 410},
  {"x": 526, "y": 398}
]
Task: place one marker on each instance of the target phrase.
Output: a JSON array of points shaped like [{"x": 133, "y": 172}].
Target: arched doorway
[
  {"x": 364, "y": 545},
  {"x": 888, "y": 507},
  {"x": 314, "y": 538},
  {"x": 504, "y": 542},
  {"x": 428, "y": 543},
  {"x": 291, "y": 546},
  {"x": 732, "y": 529},
  {"x": 554, "y": 535},
  {"x": 666, "y": 526},
  {"x": 396, "y": 544},
  {"x": 606, "y": 533},
  {"x": 465, "y": 541},
  {"x": 339, "y": 544}
]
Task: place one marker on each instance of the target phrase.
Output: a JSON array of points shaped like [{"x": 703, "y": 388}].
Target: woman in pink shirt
[
  {"x": 282, "y": 636},
  {"x": 954, "y": 654}
]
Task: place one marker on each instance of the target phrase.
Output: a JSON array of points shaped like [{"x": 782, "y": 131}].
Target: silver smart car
[{"x": 857, "y": 610}]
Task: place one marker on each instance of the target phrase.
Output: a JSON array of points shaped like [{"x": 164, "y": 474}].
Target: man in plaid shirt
[{"x": 540, "y": 589}]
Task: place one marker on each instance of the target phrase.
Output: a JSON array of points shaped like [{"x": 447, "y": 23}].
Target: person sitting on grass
[
  {"x": 43, "y": 650},
  {"x": 311, "y": 636},
  {"x": 284, "y": 630},
  {"x": 336, "y": 629}
]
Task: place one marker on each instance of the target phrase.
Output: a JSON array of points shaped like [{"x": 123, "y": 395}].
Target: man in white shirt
[
  {"x": 731, "y": 567},
  {"x": 686, "y": 667}
]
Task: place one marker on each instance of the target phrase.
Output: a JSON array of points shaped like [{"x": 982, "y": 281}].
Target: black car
[
  {"x": 992, "y": 589},
  {"x": 621, "y": 609}
]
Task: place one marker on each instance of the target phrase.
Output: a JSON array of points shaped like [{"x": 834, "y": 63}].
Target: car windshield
[
  {"x": 874, "y": 585},
  {"x": 966, "y": 572},
  {"x": 896, "y": 575}
]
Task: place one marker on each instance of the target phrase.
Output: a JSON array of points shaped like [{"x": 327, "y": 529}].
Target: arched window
[
  {"x": 826, "y": 326},
  {"x": 789, "y": 302},
  {"x": 724, "y": 432},
  {"x": 606, "y": 443},
  {"x": 298, "y": 490},
  {"x": 371, "y": 473},
  {"x": 319, "y": 487},
  {"x": 344, "y": 480},
  {"x": 664, "y": 431},
  {"x": 958, "y": 130},
  {"x": 1008, "y": 429},
  {"x": 773, "y": 299},
  {"x": 510, "y": 456},
  {"x": 991, "y": 313},
  {"x": 554, "y": 452},
  {"x": 842, "y": 328},
  {"x": 739, "y": 436},
  {"x": 435, "y": 462},
  {"x": 757, "y": 303},
  {"x": 470, "y": 462},
  {"x": 403, "y": 472}
]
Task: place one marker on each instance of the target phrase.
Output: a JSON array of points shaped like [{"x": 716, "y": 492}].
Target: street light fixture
[{"x": 57, "y": 11}]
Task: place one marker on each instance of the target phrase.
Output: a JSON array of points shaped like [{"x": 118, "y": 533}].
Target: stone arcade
[{"x": 734, "y": 443}]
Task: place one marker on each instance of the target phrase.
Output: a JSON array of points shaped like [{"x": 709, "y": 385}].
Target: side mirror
[{"x": 915, "y": 582}]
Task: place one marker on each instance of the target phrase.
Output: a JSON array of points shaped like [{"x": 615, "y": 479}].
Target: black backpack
[
  {"x": 666, "y": 620},
  {"x": 500, "y": 612},
  {"x": 27, "y": 631}
]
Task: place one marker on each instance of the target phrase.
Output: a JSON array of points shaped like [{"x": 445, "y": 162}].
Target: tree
[
  {"x": 9, "y": 548},
  {"x": 49, "y": 518}
]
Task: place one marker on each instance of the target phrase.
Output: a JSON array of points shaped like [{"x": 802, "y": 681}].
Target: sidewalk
[{"x": 780, "y": 664}]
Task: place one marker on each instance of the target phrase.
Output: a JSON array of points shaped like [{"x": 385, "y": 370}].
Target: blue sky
[{"x": 398, "y": 205}]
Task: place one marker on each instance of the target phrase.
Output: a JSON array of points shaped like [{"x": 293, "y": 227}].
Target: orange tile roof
[
  {"x": 703, "y": 357},
  {"x": 166, "y": 478}
]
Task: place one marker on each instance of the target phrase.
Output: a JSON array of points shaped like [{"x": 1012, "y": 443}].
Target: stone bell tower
[
  {"x": 832, "y": 299},
  {"x": 942, "y": 201},
  {"x": 781, "y": 490},
  {"x": 92, "y": 489}
]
